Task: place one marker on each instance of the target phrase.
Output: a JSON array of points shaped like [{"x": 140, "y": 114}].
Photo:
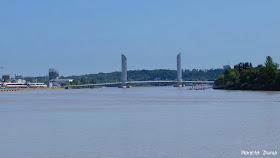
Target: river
[{"x": 140, "y": 122}]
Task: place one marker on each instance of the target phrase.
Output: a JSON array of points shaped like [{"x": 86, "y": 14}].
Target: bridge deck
[{"x": 137, "y": 82}]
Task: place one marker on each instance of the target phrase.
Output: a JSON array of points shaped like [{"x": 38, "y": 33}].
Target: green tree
[
  {"x": 75, "y": 82},
  {"x": 93, "y": 81},
  {"x": 220, "y": 80},
  {"x": 245, "y": 76},
  {"x": 84, "y": 80},
  {"x": 270, "y": 71}
]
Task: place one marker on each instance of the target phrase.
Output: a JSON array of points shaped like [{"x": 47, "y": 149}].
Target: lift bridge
[{"x": 127, "y": 84}]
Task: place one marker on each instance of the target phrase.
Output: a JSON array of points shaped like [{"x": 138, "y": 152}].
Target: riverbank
[
  {"x": 246, "y": 87},
  {"x": 28, "y": 89}
]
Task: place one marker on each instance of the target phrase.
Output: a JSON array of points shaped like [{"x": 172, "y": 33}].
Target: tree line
[
  {"x": 142, "y": 75},
  {"x": 246, "y": 77}
]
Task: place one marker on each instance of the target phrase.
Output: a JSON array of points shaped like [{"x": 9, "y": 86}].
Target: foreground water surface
[{"x": 151, "y": 122}]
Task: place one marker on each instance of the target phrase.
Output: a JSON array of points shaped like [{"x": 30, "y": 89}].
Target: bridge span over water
[
  {"x": 141, "y": 82},
  {"x": 126, "y": 84}
]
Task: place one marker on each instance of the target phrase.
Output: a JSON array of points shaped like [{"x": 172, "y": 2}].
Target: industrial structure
[
  {"x": 54, "y": 81},
  {"x": 53, "y": 74}
]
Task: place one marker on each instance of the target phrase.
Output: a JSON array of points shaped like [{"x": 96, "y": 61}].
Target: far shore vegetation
[
  {"x": 246, "y": 77},
  {"x": 142, "y": 75}
]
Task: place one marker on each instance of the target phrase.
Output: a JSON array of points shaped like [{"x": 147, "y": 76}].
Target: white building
[
  {"x": 58, "y": 82},
  {"x": 228, "y": 66}
]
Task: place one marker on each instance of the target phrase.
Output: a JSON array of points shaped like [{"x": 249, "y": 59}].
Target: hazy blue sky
[{"x": 82, "y": 37}]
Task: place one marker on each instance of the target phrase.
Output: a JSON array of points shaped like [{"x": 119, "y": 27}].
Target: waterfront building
[
  {"x": 36, "y": 85},
  {"x": 20, "y": 81},
  {"x": 24, "y": 85},
  {"x": 55, "y": 83},
  {"x": 6, "y": 78}
]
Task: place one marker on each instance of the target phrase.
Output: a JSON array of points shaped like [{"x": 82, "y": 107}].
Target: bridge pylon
[
  {"x": 124, "y": 72},
  {"x": 179, "y": 71}
]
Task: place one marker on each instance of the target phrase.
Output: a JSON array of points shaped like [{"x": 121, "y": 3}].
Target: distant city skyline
[{"x": 89, "y": 37}]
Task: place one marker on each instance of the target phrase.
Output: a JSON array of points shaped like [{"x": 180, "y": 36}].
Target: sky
[{"x": 82, "y": 37}]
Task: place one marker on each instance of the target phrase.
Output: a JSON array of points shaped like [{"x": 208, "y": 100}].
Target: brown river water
[{"x": 140, "y": 122}]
